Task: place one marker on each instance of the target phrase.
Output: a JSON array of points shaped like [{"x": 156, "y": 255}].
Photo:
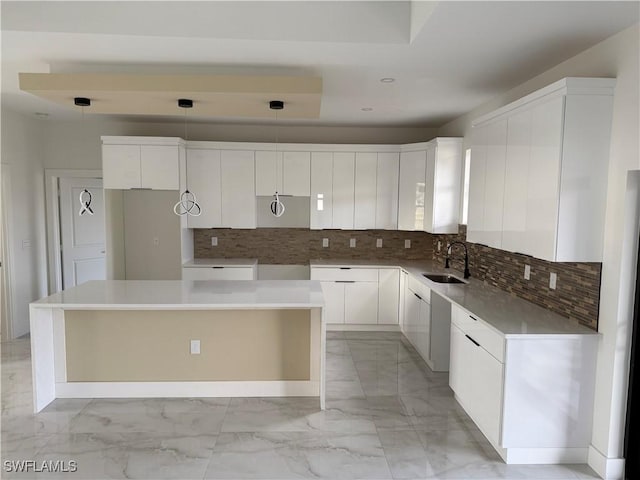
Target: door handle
[
  {"x": 476, "y": 343},
  {"x": 345, "y": 281},
  {"x": 419, "y": 297},
  {"x": 345, "y": 268},
  {"x": 217, "y": 267},
  {"x": 473, "y": 318}
]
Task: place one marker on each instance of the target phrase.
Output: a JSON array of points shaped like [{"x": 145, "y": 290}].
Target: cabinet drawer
[
  {"x": 217, "y": 273},
  {"x": 345, "y": 274},
  {"x": 420, "y": 288},
  {"x": 479, "y": 331}
]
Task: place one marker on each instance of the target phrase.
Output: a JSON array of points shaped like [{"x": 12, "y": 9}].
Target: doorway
[
  {"x": 76, "y": 241},
  {"x": 6, "y": 292},
  {"x": 632, "y": 430}
]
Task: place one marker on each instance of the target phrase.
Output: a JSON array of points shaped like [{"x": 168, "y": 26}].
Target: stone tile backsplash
[
  {"x": 577, "y": 292},
  {"x": 296, "y": 246},
  {"x": 576, "y": 295}
]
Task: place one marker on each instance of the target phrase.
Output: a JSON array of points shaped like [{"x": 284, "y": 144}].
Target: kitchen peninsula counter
[{"x": 129, "y": 338}]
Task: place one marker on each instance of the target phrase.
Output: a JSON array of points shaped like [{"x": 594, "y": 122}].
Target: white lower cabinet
[
  {"x": 359, "y": 296},
  {"x": 218, "y": 273},
  {"x": 531, "y": 395}
]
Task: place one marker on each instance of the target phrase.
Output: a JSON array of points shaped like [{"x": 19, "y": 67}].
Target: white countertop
[
  {"x": 507, "y": 314},
  {"x": 187, "y": 294},
  {"x": 221, "y": 262}
]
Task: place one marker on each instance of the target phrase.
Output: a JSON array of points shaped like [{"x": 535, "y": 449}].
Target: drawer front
[
  {"x": 420, "y": 288},
  {"x": 224, "y": 273},
  {"x": 475, "y": 328},
  {"x": 344, "y": 274}
]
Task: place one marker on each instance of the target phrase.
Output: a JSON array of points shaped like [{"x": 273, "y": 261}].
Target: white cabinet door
[
  {"x": 494, "y": 182},
  {"x": 343, "y": 190},
  {"x": 387, "y": 191},
  {"x": 333, "y": 293},
  {"x": 159, "y": 165},
  {"x": 514, "y": 219},
  {"x": 361, "y": 302},
  {"x": 365, "y": 190},
  {"x": 203, "y": 180},
  {"x": 121, "y": 166},
  {"x": 411, "y": 190},
  {"x": 403, "y": 294},
  {"x": 388, "y": 295},
  {"x": 296, "y": 168},
  {"x": 424, "y": 331},
  {"x": 477, "y": 177},
  {"x": 321, "y": 198},
  {"x": 486, "y": 386},
  {"x": 429, "y": 189},
  {"x": 457, "y": 365},
  {"x": 238, "y": 189},
  {"x": 268, "y": 173},
  {"x": 544, "y": 179},
  {"x": 412, "y": 317}
]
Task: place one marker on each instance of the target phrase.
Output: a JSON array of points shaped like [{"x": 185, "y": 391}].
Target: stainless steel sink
[{"x": 443, "y": 278}]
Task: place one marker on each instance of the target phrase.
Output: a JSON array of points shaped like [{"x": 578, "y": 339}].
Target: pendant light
[
  {"x": 85, "y": 196},
  {"x": 187, "y": 205},
  {"x": 277, "y": 207}
]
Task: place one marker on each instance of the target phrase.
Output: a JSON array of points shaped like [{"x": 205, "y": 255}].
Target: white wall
[
  {"x": 22, "y": 150},
  {"x": 618, "y": 56},
  {"x": 76, "y": 144}
]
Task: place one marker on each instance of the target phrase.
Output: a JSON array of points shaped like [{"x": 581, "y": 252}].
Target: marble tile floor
[{"x": 388, "y": 417}]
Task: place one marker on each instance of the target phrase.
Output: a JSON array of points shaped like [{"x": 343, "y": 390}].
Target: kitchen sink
[{"x": 443, "y": 278}]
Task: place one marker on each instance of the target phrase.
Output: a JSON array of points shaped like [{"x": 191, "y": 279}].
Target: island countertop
[{"x": 186, "y": 294}]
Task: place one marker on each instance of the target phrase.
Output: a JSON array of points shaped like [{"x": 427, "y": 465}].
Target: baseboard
[
  {"x": 607, "y": 468},
  {"x": 349, "y": 327},
  {"x": 545, "y": 456}
]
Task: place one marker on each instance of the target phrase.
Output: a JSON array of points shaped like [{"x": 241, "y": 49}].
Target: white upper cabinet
[
  {"x": 429, "y": 187},
  {"x": 442, "y": 185},
  {"x": 411, "y": 190},
  {"x": 268, "y": 173},
  {"x": 544, "y": 161},
  {"x": 321, "y": 198},
  {"x": 288, "y": 173},
  {"x": 204, "y": 181},
  {"x": 237, "y": 174},
  {"x": 141, "y": 162},
  {"x": 387, "y": 191},
  {"x": 296, "y": 172},
  {"x": 343, "y": 190},
  {"x": 366, "y": 172}
]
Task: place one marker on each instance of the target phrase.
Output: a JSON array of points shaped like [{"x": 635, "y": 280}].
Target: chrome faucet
[{"x": 466, "y": 258}]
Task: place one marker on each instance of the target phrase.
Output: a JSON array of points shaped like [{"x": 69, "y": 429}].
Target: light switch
[
  {"x": 352, "y": 243},
  {"x": 407, "y": 244},
  {"x": 195, "y": 347},
  {"x": 439, "y": 245},
  {"x": 214, "y": 241},
  {"x": 553, "y": 278},
  {"x": 26, "y": 244},
  {"x": 527, "y": 272},
  {"x": 325, "y": 242},
  {"x": 379, "y": 243}
]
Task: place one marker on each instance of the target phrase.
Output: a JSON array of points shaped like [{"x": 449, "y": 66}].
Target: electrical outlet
[
  {"x": 325, "y": 242},
  {"x": 553, "y": 279},
  {"x": 26, "y": 244},
  {"x": 379, "y": 243},
  {"x": 156, "y": 241},
  {"x": 214, "y": 241},
  {"x": 407, "y": 244},
  {"x": 439, "y": 245},
  {"x": 352, "y": 243},
  {"x": 527, "y": 272},
  {"x": 195, "y": 347}
]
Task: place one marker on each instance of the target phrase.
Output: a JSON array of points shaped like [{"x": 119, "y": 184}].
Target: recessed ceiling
[{"x": 446, "y": 57}]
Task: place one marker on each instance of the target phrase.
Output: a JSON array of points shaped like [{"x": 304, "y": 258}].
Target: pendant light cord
[{"x": 187, "y": 204}]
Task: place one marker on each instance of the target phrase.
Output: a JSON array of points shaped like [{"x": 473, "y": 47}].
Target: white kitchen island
[{"x": 128, "y": 338}]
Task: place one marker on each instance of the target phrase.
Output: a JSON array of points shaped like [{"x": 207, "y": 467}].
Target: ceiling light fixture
[
  {"x": 367, "y": 109},
  {"x": 277, "y": 207},
  {"x": 187, "y": 204},
  {"x": 387, "y": 80},
  {"x": 85, "y": 195}
]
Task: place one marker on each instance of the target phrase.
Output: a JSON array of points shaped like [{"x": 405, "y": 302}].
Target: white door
[
  {"x": 6, "y": 299},
  {"x": 343, "y": 190},
  {"x": 361, "y": 302},
  {"x": 321, "y": 200},
  {"x": 82, "y": 236}
]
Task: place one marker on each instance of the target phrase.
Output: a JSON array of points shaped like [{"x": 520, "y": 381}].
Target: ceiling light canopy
[
  {"x": 387, "y": 80},
  {"x": 218, "y": 95}
]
